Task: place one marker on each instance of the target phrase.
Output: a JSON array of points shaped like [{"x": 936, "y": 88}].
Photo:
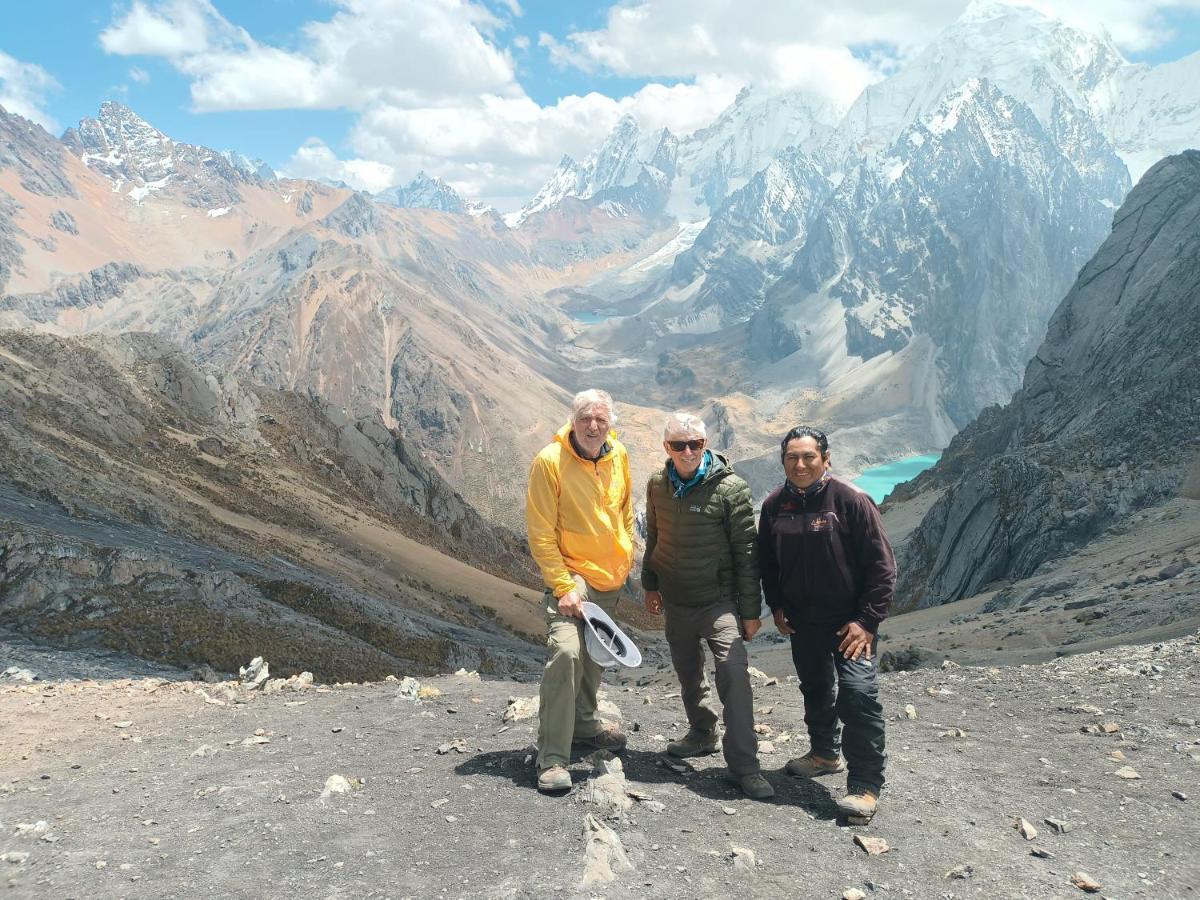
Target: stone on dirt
[
  {"x": 961, "y": 871},
  {"x": 853, "y": 894},
  {"x": 1026, "y": 829},
  {"x": 339, "y": 784},
  {"x": 874, "y": 846},
  {"x": 744, "y": 859},
  {"x": 607, "y": 788},
  {"x": 1085, "y": 882},
  {"x": 256, "y": 674},
  {"x": 409, "y": 688},
  {"x": 605, "y": 854},
  {"x": 520, "y": 708}
]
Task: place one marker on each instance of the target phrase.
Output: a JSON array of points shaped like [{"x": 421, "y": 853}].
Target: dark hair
[{"x": 803, "y": 431}]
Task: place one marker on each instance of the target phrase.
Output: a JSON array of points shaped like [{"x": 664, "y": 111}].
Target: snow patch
[{"x": 218, "y": 212}]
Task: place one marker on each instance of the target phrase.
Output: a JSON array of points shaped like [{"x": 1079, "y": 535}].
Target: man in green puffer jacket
[{"x": 701, "y": 570}]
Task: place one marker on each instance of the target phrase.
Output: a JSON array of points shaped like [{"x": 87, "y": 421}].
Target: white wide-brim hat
[{"x": 606, "y": 644}]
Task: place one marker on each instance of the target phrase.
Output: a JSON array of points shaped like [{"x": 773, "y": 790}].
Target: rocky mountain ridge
[
  {"x": 1104, "y": 425},
  {"x": 179, "y": 514}
]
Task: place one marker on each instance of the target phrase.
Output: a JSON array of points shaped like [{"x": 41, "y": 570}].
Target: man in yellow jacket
[{"x": 579, "y": 512}]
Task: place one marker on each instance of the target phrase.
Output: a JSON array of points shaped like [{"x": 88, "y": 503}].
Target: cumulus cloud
[
  {"x": 369, "y": 51},
  {"x": 24, "y": 88},
  {"x": 316, "y": 161},
  {"x": 1134, "y": 25}
]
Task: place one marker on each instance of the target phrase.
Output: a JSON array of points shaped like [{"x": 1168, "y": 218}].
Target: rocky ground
[{"x": 121, "y": 779}]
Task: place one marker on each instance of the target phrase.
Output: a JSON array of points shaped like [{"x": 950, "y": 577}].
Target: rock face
[
  {"x": 1105, "y": 423},
  {"x": 151, "y": 506}
]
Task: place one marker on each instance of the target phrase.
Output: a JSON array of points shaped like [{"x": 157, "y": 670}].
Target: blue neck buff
[{"x": 682, "y": 487}]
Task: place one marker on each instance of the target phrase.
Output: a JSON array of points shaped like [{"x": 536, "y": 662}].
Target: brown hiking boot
[
  {"x": 858, "y": 807},
  {"x": 695, "y": 743},
  {"x": 756, "y": 787},
  {"x": 810, "y": 765},
  {"x": 610, "y": 738},
  {"x": 554, "y": 779}
]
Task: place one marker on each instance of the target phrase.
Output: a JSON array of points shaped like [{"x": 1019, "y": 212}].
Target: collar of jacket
[
  {"x": 567, "y": 439},
  {"x": 812, "y": 490}
]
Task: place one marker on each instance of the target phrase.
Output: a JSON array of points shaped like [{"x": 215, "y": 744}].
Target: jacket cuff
[{"x": 868, "y": 622}]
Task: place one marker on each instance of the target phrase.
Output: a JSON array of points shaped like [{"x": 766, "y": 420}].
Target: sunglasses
[{"x": 680, "y": 446}]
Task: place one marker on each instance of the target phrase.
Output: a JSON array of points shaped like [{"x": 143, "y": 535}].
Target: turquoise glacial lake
[
  {"x": 879, "y": 480},
  {"x": 593, "y": 318}
]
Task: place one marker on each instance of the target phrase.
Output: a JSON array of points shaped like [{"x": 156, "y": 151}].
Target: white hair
[
  {"x": 585, "y": 400},
  {"x": 684, "y": 424}
]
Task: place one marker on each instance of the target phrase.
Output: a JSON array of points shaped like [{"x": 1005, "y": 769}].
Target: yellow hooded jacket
[{"x": 580, "y": 515}]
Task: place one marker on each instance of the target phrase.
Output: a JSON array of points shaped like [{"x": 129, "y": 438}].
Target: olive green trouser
[{"x": 567, "y": 706}]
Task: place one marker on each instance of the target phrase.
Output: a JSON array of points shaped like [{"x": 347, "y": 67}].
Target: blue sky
[{"x": 497, "y": 92}]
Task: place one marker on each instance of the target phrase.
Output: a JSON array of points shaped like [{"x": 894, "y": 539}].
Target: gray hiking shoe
[
  {"x": 810, "y": 765},
  {"x": 756, "y": 787},
  {"x": 610, "y": 738},
  {"x": 695, "y": 743},
  {"x": 553, "y": 780}
]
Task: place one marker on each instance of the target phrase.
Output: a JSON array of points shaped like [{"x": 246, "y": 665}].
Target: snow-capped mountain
[
  {"x": 689, "y": 178},
  {"x": 430, "y": 192},
  {"x": 139, "y": 160},
  {"x": 719, "y": 159},
  {"x": 746, "y": 244},
  {"x": 631, "y": 166},
  {"x": 1078, "y": 85},
  {"x": 968, "y": 229},
  {"x": 251, "y": 167}
]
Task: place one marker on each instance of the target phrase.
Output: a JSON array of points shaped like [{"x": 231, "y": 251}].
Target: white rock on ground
[
  {"x": 605, "y": 854},
  {"x": 255, "y": 675}
]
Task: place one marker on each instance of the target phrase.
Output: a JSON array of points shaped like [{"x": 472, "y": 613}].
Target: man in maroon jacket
[{"x": 828, "y": 574}]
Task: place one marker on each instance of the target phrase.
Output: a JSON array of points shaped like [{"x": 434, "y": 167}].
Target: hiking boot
[
  {"x": 810, "y": 765},
  {"x": 695, "y": 743},
  {"x": 756, "y": 787},
  {"x": 610, "y": 738},
  {"x": 553, "y": 780},
  {"x": 858, "y": 807}
]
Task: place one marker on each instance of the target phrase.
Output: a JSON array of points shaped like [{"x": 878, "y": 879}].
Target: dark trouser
[
  {"x": 688, "y": 629},
  {"x": 856, "y": 702}
]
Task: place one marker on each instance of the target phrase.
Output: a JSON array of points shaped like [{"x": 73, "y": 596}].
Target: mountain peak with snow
[{"x": 139, "y": 160}]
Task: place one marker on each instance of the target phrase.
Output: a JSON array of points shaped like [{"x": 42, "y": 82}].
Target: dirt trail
[{"x": 147, "y": 789}]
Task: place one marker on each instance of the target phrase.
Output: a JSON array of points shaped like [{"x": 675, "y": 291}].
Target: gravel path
[{"x": 149, "y": 788}]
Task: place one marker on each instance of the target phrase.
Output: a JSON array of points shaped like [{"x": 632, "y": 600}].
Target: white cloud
[
  {"x": 315, "y": 160},
  {"x": 23, "y": 90},
  {"x": 684, "y": 38},
  {"x": 368, "y": 51},
  {"x": 140, "y": 75},
  {"x": 172, "y": 29},
  {"x": 1134, "y": 25}
]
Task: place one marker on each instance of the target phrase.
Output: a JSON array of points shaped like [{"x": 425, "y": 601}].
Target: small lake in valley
[{"x": 878, "y": 481}]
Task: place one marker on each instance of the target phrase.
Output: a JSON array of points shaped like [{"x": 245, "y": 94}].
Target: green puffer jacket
[{"x": 700, "y": 548}]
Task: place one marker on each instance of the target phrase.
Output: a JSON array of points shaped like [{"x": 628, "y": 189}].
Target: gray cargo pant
[
  {"x": 567, "y": 704},
  {"x": 718, "y": 626}
]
